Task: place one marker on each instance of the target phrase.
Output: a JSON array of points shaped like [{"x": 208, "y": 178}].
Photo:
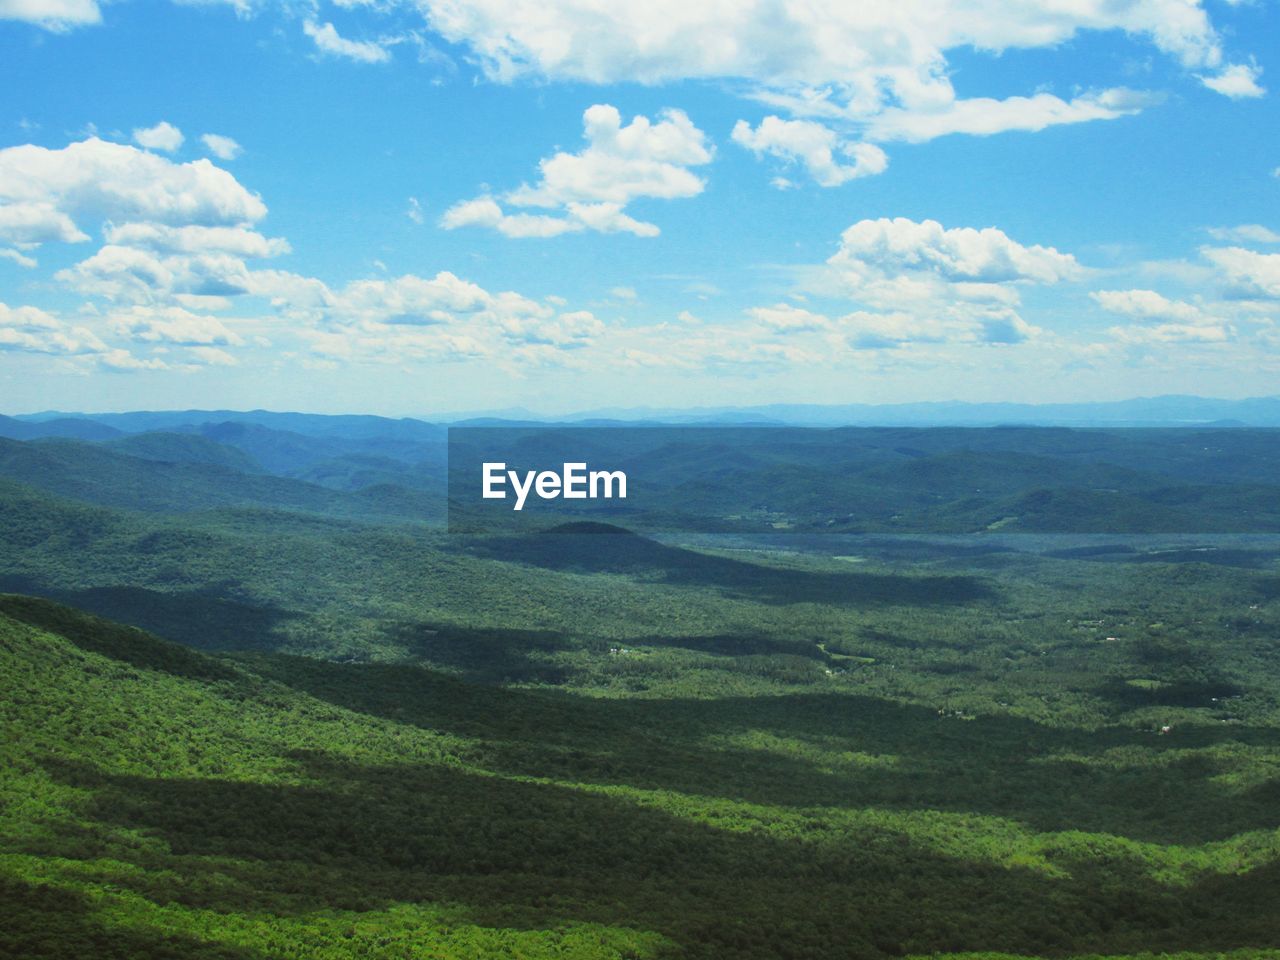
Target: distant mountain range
[
  {"x": 973, "y": 467},
  {"x": 1142, "y": 411},
  {"x": 1165, "y": 411}
]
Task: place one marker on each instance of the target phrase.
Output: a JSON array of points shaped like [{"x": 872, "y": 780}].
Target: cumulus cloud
[
  {"x": 171, "y": 324},
  {"x": 132, "y": 274},
  {"x": 1238, "y": 81},
  {"x": 863, "y": 53},
  {"x": 1146, "y": 304},
  {"x": 408, "y": 299},
  {"x": 31, "y": 330},
  {"x": 55, "y": 15},
  {"x": 35, "y": 222},
  {"x": 163, "y": 136},
  {"x": 328, "y": 41},
  {"x": 180, "y": 248},
  {"x": 921, "y": 283},
  {"x": 890, "y": 249},
  {"x": 589, "y": 190},
  {"x": 1246, "y": 272},
  {"x": 814, "y": 145},
  {"x": 240, "y": 241},
  {"x": 44, "y": 192},
  {"x": 868, "y": 330},
  {"x": 27, "y": 318},
  {"x": 443, "y": 318},
  {"x": 915, "y": 285},
  {"x": 1161, "y": 320},
  {"x": 874, "y": 71},
  {"x": 782, "y": 336},
  {"x": 621, "y": 163},
  {"x": 784, "y": 317},
  {"x": 951, "y": 324},
  {"x": 224, "y": 148}
]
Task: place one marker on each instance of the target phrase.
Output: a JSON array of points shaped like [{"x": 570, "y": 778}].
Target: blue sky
[{"x": 417, "y": 206}]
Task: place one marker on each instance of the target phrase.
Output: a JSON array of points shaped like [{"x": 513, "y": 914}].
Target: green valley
[{"x": 248, "y": 715}]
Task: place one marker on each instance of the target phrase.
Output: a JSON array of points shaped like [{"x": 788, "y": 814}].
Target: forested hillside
[
  {"x": 351, "y": 733},
  {"x": 163, "y": 803}
]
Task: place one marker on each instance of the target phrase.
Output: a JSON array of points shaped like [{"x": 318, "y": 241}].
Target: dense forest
[{"x": 259, "y": 702}]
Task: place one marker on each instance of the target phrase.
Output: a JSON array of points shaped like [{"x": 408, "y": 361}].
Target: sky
[{"x": 410, "y": 207}]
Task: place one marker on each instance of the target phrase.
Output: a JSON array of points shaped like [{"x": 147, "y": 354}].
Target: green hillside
[
  {"x": 104, "y": 476},
  {"x": 183, "y": 448},
  {"x": 163, "y": 803},
  {"x": 379, "y": 739}
]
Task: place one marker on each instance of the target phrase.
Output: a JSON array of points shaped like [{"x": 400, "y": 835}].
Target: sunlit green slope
[{"x": 158, "y": 802}]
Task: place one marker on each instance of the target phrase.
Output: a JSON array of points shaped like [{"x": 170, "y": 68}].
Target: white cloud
[
  {"x": 419, "y": 318},
  {"x": 897, "y": 45},
  {"x": 240, "y": 241},
  {"x": 890, "y": 249},
  {"x": 212, "y": 356},
  {"x": 34, "y": 222},
  {"x": 136, "y": 275},
  {"x": 43, "y": 191},
  {"x": 590, "y": 189},
  {"x": 983, "y": 116},
  {"x": 602, "y": 217},
  {"x": 785, "y": 318},
  {"x": 414, "y": 211},
  {"x": 814, "y": 145},
  {"x": 170, "y": 324},
  {"x": 328, "y": 41},
  {"x": 28, "y": 318},
  {"x": 224, "y": 148},
  {"x": 1216, "y": 332},
  {"x": 163, "y": 136},
  {"x": 1147, "y": 304},
  {"x": 621, "y": 163},
  {"x": 949, "y": 324},
  {"x": 56, "y": 15},
  {"x": 123, "y": 361},
  {"x": 31, "y": 330},
  {"x": 917, "y": 289},
  {"x": 410, "y": 300},
  {"x": 481, "y": 212},
  {"x": 875, "y": 71},
  {"x": 867, "y": 330},
  {"x": 1245, "y": 233},
  {"x": 17, "y": 257},
  {"x": 1161, "y": 320},
  {"x": 1237, "y": 81},
  {"x": 919, "y": 283},
  {"x": 1247, "y": 273}
]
